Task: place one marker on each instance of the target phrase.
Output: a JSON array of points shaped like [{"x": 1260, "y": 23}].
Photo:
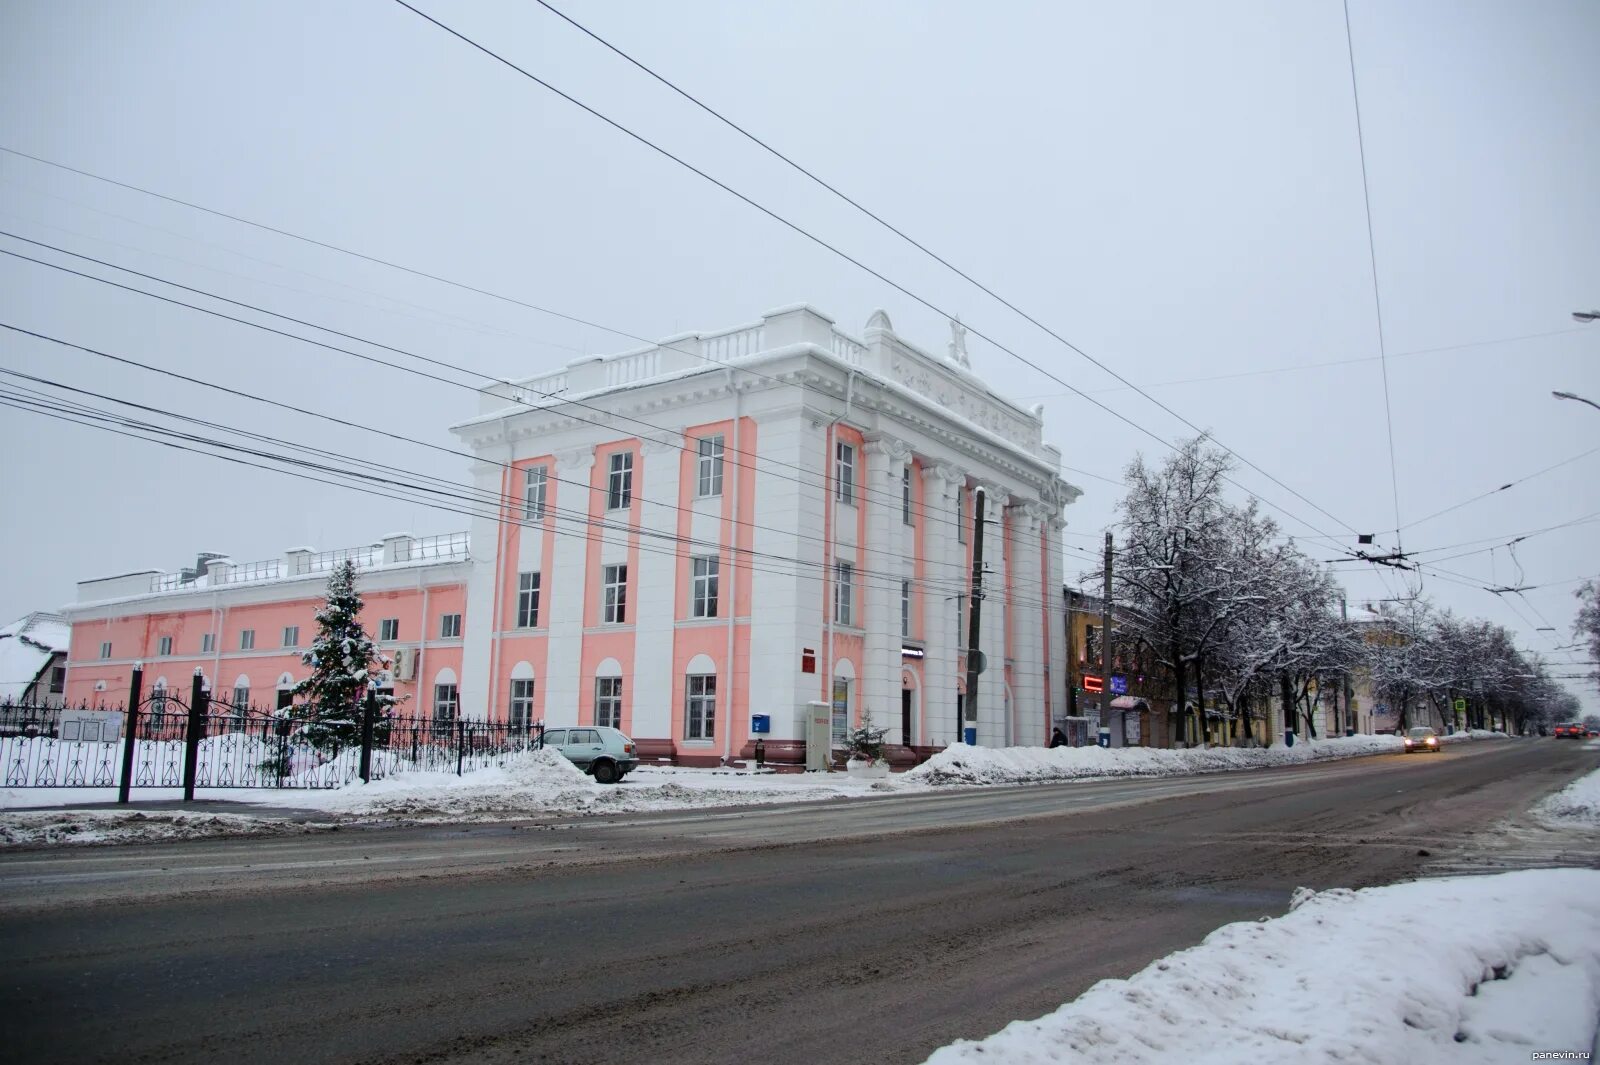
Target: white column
[
  {"x": 992, "y": 730},
  {"x": 1055, "y": 613},
  {"x": 881, "y": 558},
  {"x": 944, "y": 578},
  {"x": 480, "y": 624},
  {"x": 1028, "y": 722},
  {"x": 652, "y": 685},
  {"x": 568, "y": 583},
  {"x": 786, "y": 601}
]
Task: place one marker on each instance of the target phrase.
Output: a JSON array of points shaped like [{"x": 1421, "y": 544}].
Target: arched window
[
  {"x": 844, "y": 675},
  {"x": 608, "y": 694},
  {"x": 700, "y": 699},
  {"x": 521, "y": 705},
  {"x": 241, "y": 693},
  {"x": 446, "y": 697}
]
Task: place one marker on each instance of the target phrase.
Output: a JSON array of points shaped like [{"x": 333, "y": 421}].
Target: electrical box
[{"x": 818, "y": 717}]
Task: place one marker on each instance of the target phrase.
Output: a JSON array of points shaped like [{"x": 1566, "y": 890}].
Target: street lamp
[
  {"x": 1585, "y": 316},
  {"x": 1580, "y": 399}
]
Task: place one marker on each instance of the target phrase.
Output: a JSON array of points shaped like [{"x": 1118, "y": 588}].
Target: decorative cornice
[{"x": 574, "y": 459}]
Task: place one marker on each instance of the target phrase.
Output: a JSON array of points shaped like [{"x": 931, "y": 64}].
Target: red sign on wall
[{"x": 1093, "y": 682}]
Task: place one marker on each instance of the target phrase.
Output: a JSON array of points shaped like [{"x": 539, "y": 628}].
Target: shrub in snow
[{"x": 865, "y": 743}]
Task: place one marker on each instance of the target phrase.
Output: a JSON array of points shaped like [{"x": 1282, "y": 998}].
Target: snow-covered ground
[
  {"x": 1465, "y": 970},
  {"x": 1577, "y": 803},
  {"x": 137, "y": 826},
  {"x": 542, "y": 784}
]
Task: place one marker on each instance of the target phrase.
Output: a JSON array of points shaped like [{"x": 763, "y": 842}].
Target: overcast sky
[{"x": 1174, "y": 188}]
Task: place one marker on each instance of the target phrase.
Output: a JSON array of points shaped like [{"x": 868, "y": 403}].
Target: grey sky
[{"x": 1173, "y": 187}]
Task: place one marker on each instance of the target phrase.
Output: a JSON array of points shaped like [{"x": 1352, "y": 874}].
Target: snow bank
[
  {"x": 32, "y": 828},
  {"x": 542, "y": 782},
  {"x": 960, "y": 764},
  {"x": 1578, "y": 802},
  {"x": 1503, "y": 966}
]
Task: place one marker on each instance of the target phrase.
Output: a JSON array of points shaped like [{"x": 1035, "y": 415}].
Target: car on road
[
  {"x": 604, "y": 753},
  {"x": 1421, "y": 739},
  {"x": 1572, "y": 732}
]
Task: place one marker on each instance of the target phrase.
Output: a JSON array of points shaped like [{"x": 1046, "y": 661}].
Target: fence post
[
  {"x": 198, "y": 698},
  {"x": 368, "y": 710},
  {"x": 461, "y": 744},
  {"x": 130, "y": 729}
]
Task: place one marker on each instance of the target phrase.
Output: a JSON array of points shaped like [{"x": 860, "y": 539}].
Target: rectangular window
[
  {"x": 527, "y": 600},
  {"x": 521, "y": 705},
  {"x": 608, "y": 702},
  {"x": 247, "y": 639},
  {"x": 843, "y": 592},
  {"x": 105, "y": 650},
  {"x": 708, "y": 480},
  {"x": 291, "y": 636},
  {"x": 449, "y": 626},
  {"x": 961, "y": 515},
  {"x": 905, "y": 610},
  {"x": 446, "y": 701},
  {"x": 704, "y": 585},
  {"x": 164, "y": 646},
  {"x": 208, "y": 643},
  {"x": 905, "y": 495},
  {"x": 58, "y": 679},
  {"x": 619, "y": 482},
  {"x": 535, "y": 480},
  {"x": 700, "y": 707},
  {"x": 389, "y": 629},
  {"x": 241, "y": 698},
  {"x": 615, "y": 604},
  {"x": 844, "y": 473}
]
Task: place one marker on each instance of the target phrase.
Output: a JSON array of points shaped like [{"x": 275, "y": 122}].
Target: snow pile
[
  {"x": 1502, "y": 966},
  {"x": 1578, "y": 802},
  {"x": 543, "y": 783},
  {"x": 135, "y": 826},
  {"x": 960, "y": 764}
]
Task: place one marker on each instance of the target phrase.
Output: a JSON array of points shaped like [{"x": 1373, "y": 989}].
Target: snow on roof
[{"x": 26, "y": 647}]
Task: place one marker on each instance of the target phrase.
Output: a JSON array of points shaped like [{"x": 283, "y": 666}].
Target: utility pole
[
  {"x": 1105, "y": 653},
  {"x": 1349, "y": 718},
  {"x": 974, "y": 666}
]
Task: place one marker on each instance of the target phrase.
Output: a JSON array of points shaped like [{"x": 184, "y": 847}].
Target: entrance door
[{"x": 905, "y": 716}]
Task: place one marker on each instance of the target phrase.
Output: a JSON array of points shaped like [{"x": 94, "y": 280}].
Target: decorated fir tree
[{"x": 327, "y": 706}]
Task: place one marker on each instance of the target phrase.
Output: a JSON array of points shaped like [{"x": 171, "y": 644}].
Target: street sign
[
  {"x": 1461, "y": 706},
  {"x": 1119, "y": 684},
  {"x": 1093, "y": 682}
]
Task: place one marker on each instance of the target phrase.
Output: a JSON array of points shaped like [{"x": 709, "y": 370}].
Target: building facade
[
  {"x": 718, "y": 532},
  {"x": 245, "y": 626},
  {"x": 700, "y": 542}
]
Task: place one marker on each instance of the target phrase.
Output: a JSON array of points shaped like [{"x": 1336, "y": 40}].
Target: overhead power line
[{"x": 859, "y": 264}]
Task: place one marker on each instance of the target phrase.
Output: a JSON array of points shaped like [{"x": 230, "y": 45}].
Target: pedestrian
[{"x": 1058, "y": 738}]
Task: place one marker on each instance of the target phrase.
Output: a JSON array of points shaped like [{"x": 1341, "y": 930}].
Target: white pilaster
[
  {"x": 881, "y": 558},
  {"x": 1055, "y": 615},
  {"x": 992, "y": 712},
  {"x": 942, "y": 569},
  {"x": 652, "y": 683},
  {"x": 568, "y": 583},
  {"x": 1028, "y": 719},
  {"x": 785, "y": 609},
  {"x": 478, "y": 637}
]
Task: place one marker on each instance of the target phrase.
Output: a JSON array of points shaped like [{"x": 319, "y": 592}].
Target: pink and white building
[{"x": 695, "y": 535}]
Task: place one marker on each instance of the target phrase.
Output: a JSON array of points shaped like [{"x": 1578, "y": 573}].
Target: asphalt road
[{"x": 857, "y": 931}]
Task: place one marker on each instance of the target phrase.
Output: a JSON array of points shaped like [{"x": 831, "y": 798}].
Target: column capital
[{"x": 891, "y": 447}]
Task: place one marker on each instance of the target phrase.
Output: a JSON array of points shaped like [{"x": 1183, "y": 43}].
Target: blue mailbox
[{"x": 760, "y": 724}]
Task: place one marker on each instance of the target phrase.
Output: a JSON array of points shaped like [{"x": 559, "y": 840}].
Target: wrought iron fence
[{"x": 238, "y": 746}]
